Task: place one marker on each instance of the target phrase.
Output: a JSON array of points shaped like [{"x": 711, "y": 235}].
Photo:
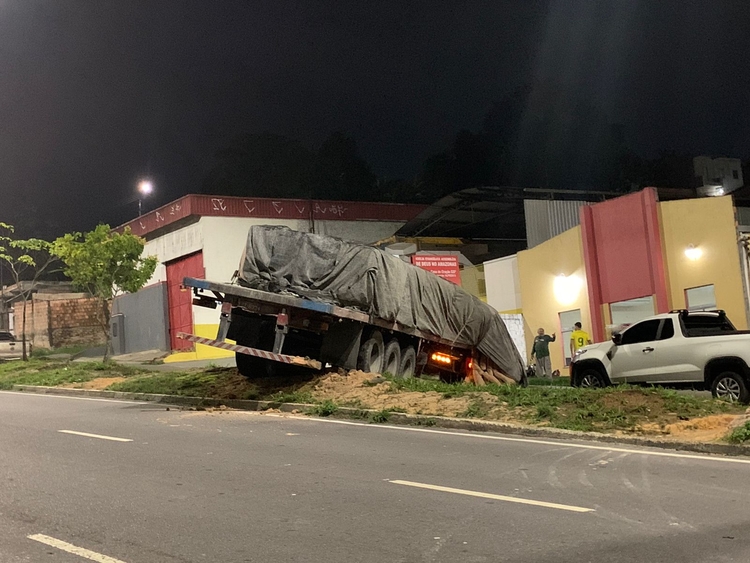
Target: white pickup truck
[
  {"x": 681, "y": 347},
  {"x": 8, "y": 349}
]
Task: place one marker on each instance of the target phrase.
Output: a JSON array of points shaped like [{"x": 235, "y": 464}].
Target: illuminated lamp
[
  {"x": 693, "y": 252},
  {"x": 567, "y": 289}
]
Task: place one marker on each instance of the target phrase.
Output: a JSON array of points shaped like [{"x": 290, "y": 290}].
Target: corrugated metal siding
[{"x": 548, "y": 218}]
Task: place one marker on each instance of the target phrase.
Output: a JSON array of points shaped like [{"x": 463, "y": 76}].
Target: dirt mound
[
  {"x": 98, "y": 384},
  {"x": 705, "y": 429},
  {"x": 361, "y": 389}
]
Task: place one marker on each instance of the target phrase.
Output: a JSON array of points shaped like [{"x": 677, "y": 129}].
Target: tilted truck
[{"x": 311, "y": 301}]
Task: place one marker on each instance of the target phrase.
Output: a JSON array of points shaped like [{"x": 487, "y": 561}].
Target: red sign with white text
[{"x": 443, "y": 265}]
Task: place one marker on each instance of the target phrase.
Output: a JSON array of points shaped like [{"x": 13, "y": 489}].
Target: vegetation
[
  {"x": 105, "y": 263},
  {"x": 27, "y": 260},
  {"x": 326, "y": 408},
  {"x": 39, "y": 371},
  {"x": 740, "y": 435}
]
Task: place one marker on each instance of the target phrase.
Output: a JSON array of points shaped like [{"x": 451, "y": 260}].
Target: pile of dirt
[
  {"x": 97, "y": 384},
  {"x": 360, "y": 389},
  {"x": 705, "y": 429}
]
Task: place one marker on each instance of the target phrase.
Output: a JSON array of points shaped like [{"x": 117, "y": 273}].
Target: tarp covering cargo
[{"x": 280, "y": 260}]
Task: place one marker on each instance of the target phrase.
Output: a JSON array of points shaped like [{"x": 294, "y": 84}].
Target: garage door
[{"x": 181, "y": 300}]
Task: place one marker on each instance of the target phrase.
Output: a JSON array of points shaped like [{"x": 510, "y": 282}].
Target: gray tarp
[{"x": 278, "y": 259}]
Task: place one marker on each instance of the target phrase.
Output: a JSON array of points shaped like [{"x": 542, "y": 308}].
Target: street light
[{"x": 145, "y": 188}]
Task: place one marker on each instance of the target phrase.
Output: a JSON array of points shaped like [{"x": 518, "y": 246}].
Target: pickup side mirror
[{"x": 617, "y": 338}]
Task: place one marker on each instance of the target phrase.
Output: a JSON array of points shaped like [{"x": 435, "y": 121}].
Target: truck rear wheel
[
  {"x": 371, "y": 353},
  {"x": 730, "y": 386},
  {"x": 392, "y": 361},
  {"x": 408, "y": 366}
]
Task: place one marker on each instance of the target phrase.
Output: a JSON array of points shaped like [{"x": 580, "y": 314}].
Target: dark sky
[{"x": 96, "y": 93}]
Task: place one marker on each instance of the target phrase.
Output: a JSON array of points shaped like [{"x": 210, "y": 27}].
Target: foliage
[
  {"x": 105, "y": 263},
  {"x": 740, "y": 435},
  {"x": 381, "y": 416},
  {"x": 27, "y": 260},
  {"x": 325, "y": 408},
  {"x": 52, "y": 373}
]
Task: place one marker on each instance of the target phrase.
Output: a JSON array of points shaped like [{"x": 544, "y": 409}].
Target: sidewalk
[{"x": 151, "y": 360}]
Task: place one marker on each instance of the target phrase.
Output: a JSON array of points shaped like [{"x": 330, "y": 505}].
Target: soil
[
  {"x": 706, "y": 429},
  {"x": 353, "y": 390},
  {"x": 98, "y": 384}
]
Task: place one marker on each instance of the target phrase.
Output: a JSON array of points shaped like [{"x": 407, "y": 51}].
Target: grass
[
  {"x": 326, "y": 408},
  {"x": 71, "y": 350},
  {"x": 622, "y": 408},
  {"x": 40, "y": 371},
  {"x": 544, "y": 382},
  {"x": 740, "y": 435}
]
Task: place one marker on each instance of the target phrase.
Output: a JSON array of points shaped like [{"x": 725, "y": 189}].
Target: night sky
[{"x": 95, "y": 94}]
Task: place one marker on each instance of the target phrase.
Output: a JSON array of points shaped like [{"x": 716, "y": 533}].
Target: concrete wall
[
  {"x": 709, "y": 225},
  {"x": 553, "y": 280},
  {"x": 503, "y": 284},
  {"x": 146, "y": 318},
  {"x": 55, "y": 323}
]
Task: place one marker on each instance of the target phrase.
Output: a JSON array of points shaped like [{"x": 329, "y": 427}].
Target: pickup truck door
[
  {"x": 633, "y": 359},
  {"x": 676, "y": 359}
]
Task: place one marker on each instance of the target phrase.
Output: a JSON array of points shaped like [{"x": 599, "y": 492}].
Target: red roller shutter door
[{"x": 181, "y": 301}]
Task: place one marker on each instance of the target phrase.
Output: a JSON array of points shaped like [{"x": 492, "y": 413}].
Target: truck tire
[
  {"x": 371, "y": 353},
  {"x": 730, "y": 386},
  {"x": 591, "y": 378},
  {"x": 253, "y": 367},
  {"x": 408, "y": 366},
  {"x": 392, "y": 358}
]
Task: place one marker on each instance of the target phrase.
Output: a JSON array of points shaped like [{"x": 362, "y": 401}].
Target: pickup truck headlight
[{"x": 578, "y": 354}]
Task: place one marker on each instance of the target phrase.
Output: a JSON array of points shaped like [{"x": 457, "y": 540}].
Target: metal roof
[{"x": 487, "y": 213}]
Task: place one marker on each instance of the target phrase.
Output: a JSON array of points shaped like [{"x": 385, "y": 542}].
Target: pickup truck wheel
[
  {"x": 371, "y": 354},
  {"x": 408, "y": 366},
  {"x": 730, "y": 386},
  {"x": 392, "y": 358},
  {"x": 591, "y": 379}
]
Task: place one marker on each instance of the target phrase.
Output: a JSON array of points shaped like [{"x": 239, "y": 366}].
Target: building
[
  {"x": 204, "y": 236},
  {"x": 630, "y": 257}
]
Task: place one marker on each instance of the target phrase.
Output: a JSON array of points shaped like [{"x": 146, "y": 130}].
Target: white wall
[
  {"x": 503, "y": 284},
  {"x": 365, "y": 232},
  {"x": 223, "y": 239}
]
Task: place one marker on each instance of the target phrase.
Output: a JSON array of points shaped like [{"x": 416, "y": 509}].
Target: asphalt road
[{"x": 238, "y": 487}]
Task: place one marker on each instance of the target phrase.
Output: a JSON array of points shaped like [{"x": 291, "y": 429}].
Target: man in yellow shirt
[{"x": 578, "y": 339}]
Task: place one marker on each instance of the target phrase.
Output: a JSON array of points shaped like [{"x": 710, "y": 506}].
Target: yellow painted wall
[
  {"x": 538, "y": 268},
  {"x": 202, "y": 352},
  {"x": 708, "y": 224}
]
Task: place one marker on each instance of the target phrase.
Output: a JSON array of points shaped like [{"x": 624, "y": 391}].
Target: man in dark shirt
[{"x": 540, "y": 351}]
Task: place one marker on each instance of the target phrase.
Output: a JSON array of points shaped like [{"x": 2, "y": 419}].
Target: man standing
[
  {"x": 578, "y": 339},
  {"x": 540, "y": 351}
]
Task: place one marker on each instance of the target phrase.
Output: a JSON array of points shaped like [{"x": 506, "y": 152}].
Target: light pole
[{"x": 145, "y": 187}]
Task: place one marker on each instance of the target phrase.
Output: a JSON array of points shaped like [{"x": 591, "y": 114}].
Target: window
[
  {"x": 706, "y": 324},
  {"x": 735, "y": 174},
  {"x": 641, "y": 332},
  {"x": 631, "y": 311},
  {"x": 701, "y": 298},
  {"x": 667, "y": 330}
]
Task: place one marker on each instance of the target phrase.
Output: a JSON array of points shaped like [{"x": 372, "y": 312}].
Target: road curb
[{"x": 398, "y": 419}]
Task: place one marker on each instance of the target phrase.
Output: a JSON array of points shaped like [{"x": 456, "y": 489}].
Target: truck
[
  {"x": 701, "y": 349},
  {"x": 302, "y": 301}
]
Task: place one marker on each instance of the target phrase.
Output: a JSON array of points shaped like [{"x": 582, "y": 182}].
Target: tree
[
  {"x": 261, "y": 165},
  {"x": 341, "y": 173},
  {"x": 27, "y": 260},
  {"x": 105, "y": 264}
]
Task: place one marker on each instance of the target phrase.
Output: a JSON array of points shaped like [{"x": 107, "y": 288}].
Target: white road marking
[
  {"x": 700, "y": 457},
  {"x": 516, "y": 500},
  {"x": 101, "y": 437},
  {"x": 75, "y": 550},
  {"x": 53, "y": 396}
]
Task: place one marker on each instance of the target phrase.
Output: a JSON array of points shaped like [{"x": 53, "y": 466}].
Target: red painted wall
[
  {"x": 623, "y": 253},
  {"x": 181, "y": 300}
]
